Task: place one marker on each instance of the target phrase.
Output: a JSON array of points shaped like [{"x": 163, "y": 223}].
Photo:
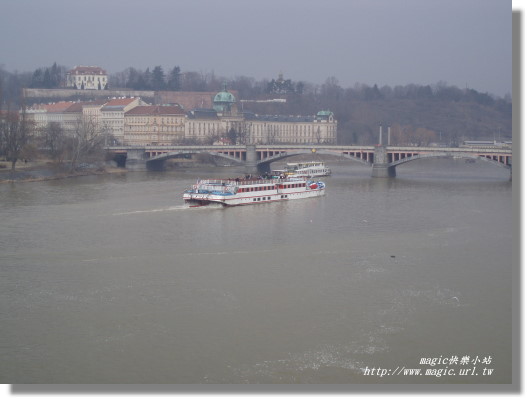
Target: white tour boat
[
  {"x": 307, "y": 169},
  {"x": 251, "y": 191}
]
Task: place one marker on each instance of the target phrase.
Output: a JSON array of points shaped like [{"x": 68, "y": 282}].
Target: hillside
[
  {"x": 446, "y": 120},
  {"x": 450, "y": 121}
]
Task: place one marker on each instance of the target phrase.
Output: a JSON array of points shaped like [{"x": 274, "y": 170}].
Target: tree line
[
  {"x": 82, "y": 145},
  {"x": 157, "y": 79},
  {"x": 48, "y": 77}
]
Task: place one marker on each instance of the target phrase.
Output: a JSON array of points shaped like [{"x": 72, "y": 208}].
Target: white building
[{"x": 87, "y": 78}]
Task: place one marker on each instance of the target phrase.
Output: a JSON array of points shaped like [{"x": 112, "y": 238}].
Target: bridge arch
[
  {"x": 175, "y": 154},
  {"x": 284, "y": 155},
  {"x": 451, "y": 156}
]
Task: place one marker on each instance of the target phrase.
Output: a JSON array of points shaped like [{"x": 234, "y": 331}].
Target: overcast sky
[{"x": 387, "y": 42}]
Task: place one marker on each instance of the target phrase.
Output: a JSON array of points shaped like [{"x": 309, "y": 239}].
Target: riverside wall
[{"x": 73, "y": 94}]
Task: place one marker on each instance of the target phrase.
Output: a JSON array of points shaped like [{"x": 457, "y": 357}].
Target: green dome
[
  {"x": 324, "y": 116},
  {"x": 223, "y": 100},
  {"x": 224, "y": 97}
]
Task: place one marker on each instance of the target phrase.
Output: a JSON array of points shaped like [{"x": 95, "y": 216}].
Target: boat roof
[
  {"x": 250, "y": 181},
  {"x": 305, "y": 163}
]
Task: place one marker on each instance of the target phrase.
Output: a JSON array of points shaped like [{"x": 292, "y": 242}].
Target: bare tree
[
  {"x": 86, "y": 143},
  {"x": 54, "y": 140},
  {"x": 244, "y": 133},
  {"x": 318, "y": 136},
  {"x": 271, "y": 132},
  {"x": 15, "y": 132}
]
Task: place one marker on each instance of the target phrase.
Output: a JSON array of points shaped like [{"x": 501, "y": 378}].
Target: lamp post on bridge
[{"x": 380, "y": 134}]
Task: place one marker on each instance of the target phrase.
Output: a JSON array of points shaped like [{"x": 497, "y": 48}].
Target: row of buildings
[{"x": 131, "y": 121}]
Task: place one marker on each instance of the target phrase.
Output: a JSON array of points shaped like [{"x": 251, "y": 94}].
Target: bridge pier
[
  {"x": 383, "y": 170},
  {"x": 381, "y": 167},
  {"x": 251, "y": 161},
  {"x": 136, "y": 159}
]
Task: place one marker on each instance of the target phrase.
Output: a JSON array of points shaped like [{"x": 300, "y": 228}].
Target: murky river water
[{"x": 110, "y": 279}]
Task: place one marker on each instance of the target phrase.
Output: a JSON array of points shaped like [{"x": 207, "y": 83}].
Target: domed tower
[
  {"x": 324, "y": 116},
  {"x": 224, "y": 102}
]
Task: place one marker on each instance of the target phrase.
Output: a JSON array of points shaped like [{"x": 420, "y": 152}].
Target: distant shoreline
[{"x": 43, "y": 171}]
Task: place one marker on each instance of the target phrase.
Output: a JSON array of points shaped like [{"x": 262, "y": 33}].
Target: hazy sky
[{"x": 393, "y": 42}]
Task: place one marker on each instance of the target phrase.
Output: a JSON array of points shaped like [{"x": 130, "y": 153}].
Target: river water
[{"x": 111, "y": 279}]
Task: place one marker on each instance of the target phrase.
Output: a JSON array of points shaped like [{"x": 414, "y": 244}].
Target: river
[{"x": 112, "y": 279}]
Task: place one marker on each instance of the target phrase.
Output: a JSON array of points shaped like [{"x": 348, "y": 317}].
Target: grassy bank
[{"x": 41, "y": 170}]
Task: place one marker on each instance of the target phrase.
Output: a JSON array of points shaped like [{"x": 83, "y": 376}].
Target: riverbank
[{"x": 41, "y": 170}]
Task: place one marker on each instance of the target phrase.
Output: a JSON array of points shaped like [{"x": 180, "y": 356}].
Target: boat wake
[{"x": 169, "y": 209}]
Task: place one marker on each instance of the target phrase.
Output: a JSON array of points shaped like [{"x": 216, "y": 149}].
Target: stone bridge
[{"x": 257, "y": 158}]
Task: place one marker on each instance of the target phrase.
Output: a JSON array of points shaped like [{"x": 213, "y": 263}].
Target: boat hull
[{"x": 195, "y": 200}]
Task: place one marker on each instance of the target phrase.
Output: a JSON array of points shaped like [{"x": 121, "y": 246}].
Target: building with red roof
[{"x": 113, "y": 116}]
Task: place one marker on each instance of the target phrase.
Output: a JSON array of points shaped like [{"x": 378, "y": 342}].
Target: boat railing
[{"x": 238, "y": 182}]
